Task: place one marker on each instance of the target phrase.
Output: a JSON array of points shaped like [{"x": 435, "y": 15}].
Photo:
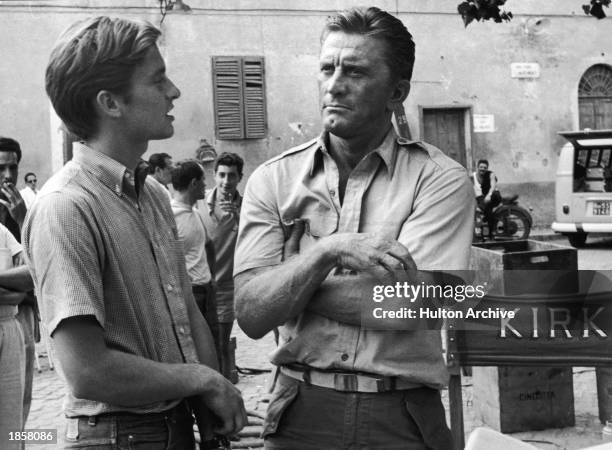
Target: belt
[
  {"x": 348, "y": 381},
  {"x": 180, "y": 410}
]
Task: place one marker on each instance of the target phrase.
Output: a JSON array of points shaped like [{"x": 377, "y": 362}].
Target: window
[
  {"x": 595, "y": 98},
  {"x": 240, "y": 100}
]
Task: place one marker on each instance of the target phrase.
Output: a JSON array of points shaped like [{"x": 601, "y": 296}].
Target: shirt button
[
  {"x": 344, "y": 357},
  {"x": 170, "y": 288},
  {"x": 332, "y": 192},
  {"x": 182, "y": 330}
]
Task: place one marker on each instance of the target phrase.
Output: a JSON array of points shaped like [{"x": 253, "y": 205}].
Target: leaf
[{"x": 597, "y": 11}]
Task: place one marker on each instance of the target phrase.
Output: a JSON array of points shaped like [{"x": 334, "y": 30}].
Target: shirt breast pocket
[{"x": 318, "y": 224}]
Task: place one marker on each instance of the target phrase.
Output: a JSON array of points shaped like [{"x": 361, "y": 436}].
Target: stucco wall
[{"x": 455, "y": 65}]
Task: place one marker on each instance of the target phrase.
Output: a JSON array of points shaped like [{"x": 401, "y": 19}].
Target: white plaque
[
  {"x": 484, "y": 123},
  {"x": 525, "y": 70}
]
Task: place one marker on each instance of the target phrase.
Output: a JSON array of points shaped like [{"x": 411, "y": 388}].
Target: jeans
[
  {"x": 302, "y": 416},
  {"x": 172, "y": 430},
  {"x": 12, "y": 376}
]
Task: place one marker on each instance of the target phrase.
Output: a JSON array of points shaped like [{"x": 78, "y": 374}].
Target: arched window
[{"x": 595, "y": 98}]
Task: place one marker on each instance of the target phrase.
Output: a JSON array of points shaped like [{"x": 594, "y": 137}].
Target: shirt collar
[
  {"x": 180, "y": 205},
  {"x": 387, "y": 150},
  {"x": 108, "y": 170}
]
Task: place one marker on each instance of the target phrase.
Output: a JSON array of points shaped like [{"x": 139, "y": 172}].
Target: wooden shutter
[
  {"x": 254, "y": 97},
  {"x": 240, "y": 99},
  {"x": 228, "y": 95}
]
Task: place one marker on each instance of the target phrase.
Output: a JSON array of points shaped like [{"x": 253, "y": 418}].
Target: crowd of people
[{"x": 138, "y": 284}]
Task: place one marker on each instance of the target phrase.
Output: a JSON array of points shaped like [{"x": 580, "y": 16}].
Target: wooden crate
[
  {"x": 525, "y": 267},
  {"x": 512, "y": 399}
]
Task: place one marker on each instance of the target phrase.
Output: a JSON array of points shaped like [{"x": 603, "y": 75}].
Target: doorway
[{"x": 448, "y": 128}]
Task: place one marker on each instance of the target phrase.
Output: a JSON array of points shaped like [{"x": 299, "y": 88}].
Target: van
[{"x": 583, "y": 185}]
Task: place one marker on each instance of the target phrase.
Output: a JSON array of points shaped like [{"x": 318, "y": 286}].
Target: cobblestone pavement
[{"x": 49, "y": 390}]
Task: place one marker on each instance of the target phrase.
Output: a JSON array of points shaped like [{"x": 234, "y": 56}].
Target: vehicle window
[
  {"x": 582, "y": 157},
  {"x": 605, "y": 157},
  {"x": 594, "y": 158}
]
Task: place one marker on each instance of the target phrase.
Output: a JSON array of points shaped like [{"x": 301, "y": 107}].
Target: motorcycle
[{"x": 510, "y": 222}]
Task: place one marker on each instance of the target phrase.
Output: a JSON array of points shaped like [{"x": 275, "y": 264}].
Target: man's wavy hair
[
  {"x": 95, "y": 54},
  {"x": 381, "y": 25},
  {"x": 230, "y": 159},
  {"x": 185, "y": 171}
]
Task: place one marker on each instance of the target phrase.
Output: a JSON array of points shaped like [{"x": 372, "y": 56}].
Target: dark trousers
[
  {"x": 310, "y": 417},
  {"x": 205, "y": 299},
  {"x": 170, "y": 430},
  {"x": 487, "y": 208}
]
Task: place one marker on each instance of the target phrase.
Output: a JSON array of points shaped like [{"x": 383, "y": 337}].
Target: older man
[{"x": 375, "y": 206}]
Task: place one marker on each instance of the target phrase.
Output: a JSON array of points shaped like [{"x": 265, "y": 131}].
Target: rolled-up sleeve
[
  {"x": 440, "y": 229},
  {"x": 65, "y": 255},
  {"x": 260, "y": 236}
]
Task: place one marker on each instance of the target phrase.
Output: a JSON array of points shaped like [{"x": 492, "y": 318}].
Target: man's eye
[{"x": 327, "y": 69}]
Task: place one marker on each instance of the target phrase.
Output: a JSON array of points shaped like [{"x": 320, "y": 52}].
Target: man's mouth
[{"x": 335, "y": 106}]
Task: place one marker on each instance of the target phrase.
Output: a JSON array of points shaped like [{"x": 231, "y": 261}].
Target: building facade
[{"x": 247, "y": 74}]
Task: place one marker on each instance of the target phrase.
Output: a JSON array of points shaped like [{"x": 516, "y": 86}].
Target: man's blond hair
[{"x": 95, "y": 54}]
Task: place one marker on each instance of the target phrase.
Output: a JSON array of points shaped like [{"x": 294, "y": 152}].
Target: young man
[
  {"x": 15, "y": 282},
  {"x": 487, "y": 197},
  {"x": 224, "y": 203},
  {"x": 375, "y": 206},
  {"x": 106, "y": 259},
  {"x": 12, "y": 215},
  {"x": 29, "y": 192},
  {"x": 189, "y": 187},
  {"x": 160, "y": 168}
]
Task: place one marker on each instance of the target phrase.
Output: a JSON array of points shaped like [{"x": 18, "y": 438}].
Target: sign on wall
[
  {"x": 484, "y": 123},
  {"x": 525, "y": 70}
]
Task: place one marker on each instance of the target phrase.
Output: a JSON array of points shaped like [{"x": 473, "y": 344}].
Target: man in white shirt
[
  {"x": 29, "y": 192},
  {"x": 160, "y": 168},
  {"x": 188, "y": 183}
]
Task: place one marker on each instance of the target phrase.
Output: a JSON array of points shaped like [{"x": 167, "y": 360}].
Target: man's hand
[
  {"x": 225, "y": 402},
  {"x": 292, "y": 244},
  {"x": 228, "y": 206},
  {"x": 14, "y": 203},
  {"x": 368, "y": 252}
]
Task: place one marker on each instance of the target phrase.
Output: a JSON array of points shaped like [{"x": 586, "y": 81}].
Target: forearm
[
  {"x": 17, "y": 279},
  {"x": 493, "y": 184},
  {"x": 344, "y": 298},
  {"x": 117, "y": 378},
  {"x": 268, "y": 297}
]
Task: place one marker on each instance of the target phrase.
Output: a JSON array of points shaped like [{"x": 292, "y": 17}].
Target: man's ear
[
  {"x": 402, "y": 88},
  {"x": 108, "y": 104}
]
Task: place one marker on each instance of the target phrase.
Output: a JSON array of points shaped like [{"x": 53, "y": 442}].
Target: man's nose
[
  {"x": 6, "y": 175},
  {"x": 336, "y": 83},
  {"x": 173, "y": 92}
]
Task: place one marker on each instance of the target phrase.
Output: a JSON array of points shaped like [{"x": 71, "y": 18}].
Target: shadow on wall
[{"x": 538, "y": 198}]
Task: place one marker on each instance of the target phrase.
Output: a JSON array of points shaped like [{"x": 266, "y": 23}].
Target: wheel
[
  {"x": 577, "y": 239},
  {"x": 512, "y": 223}
]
